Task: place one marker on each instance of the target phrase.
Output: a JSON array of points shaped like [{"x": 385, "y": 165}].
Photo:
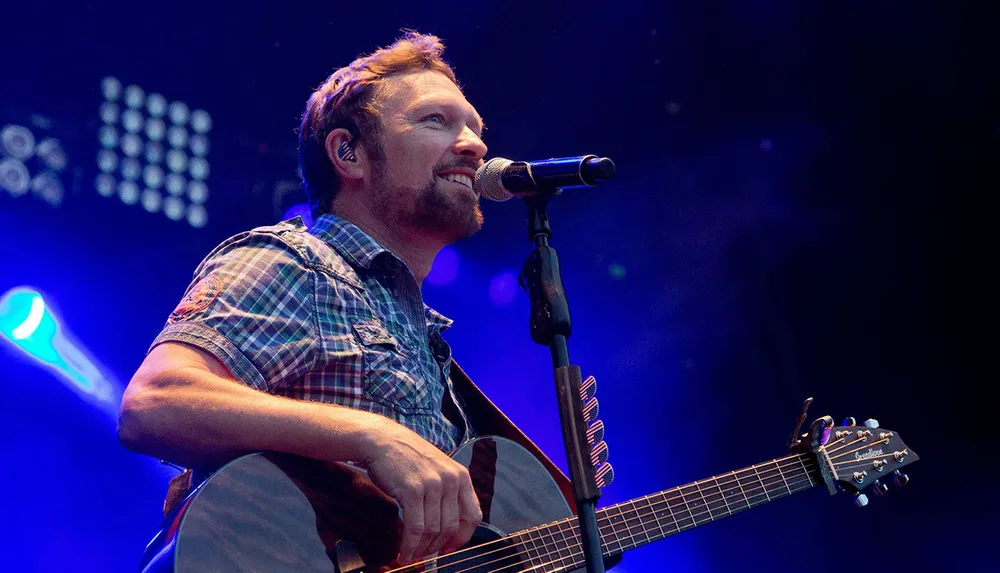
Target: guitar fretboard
[{"x": 635, "y": 523}]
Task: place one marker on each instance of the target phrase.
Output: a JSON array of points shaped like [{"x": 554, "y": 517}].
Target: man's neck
[{"x": 416, "y": 253}]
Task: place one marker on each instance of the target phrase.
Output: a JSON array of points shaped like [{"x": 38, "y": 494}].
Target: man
[{"x": 316, "y": 342}]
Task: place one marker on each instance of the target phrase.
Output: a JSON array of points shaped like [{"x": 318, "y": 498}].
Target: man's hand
[{"x": 440, "y": 509}]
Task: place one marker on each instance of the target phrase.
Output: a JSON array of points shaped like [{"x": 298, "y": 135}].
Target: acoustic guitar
[{"x": 272, "y": 512}]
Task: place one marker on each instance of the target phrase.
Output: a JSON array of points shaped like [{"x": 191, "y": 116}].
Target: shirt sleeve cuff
[{"x": 211, "y": 341}]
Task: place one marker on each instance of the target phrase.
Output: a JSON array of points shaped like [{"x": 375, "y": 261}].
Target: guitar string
[
  {"x": 531, "y": 530},
  {"x": 576, "y": 564},
  {"x": 666, "y": 501},
  {"x": 848, "y": 444},
  {"x": 779, "y": 465},
  {"x": 840, "y": 455},
  {"x": 574, "y": 544}
]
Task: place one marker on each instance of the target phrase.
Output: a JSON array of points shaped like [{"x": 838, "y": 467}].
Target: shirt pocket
[{"x": 391, "y": 374}]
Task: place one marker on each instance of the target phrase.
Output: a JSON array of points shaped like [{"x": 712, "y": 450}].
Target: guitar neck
[{"x": 647, "y": 519}]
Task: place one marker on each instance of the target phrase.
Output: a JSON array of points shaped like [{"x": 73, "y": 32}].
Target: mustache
[{"x": 472, "y": 164}]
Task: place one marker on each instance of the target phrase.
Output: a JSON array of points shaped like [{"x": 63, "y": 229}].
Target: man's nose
[{"x": 470, "y": 144}]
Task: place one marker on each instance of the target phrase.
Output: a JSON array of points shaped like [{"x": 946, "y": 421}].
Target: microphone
[{"x": 500, "y": 179}]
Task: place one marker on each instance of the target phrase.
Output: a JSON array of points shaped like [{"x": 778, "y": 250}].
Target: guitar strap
[{"x": 487, "y": 418}]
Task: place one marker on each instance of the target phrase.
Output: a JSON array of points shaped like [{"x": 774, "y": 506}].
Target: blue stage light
[
  {"x": 503, "y": 288},
  {"x": 31, "y": 326},
  {"x": 445, "y": 267}
]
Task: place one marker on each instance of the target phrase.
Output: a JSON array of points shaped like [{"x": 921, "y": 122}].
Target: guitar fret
[
  {"x": 532, "y": 546},
  {"x": 803, "y": 463},
  {"x": 571, "y": 541},
  {"x": 704, "y": 500},
  {"x": 723, "y": 494},
  {"x": 631, "y": 524},
  {"x": 781, "y": 472},
  {"x": 655, "y": 517},
  {"x": 694, "y": 522},
  {"x": 673, "y": 517},
  {"x": 614, "y": 525},
  {"x": 764, "y": 487},
  {"x": 739, "y": 482},
  {"x": 642, "y": 523}
]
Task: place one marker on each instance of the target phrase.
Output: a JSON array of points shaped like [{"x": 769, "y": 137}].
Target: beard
[{"x": 432, "y": 210}]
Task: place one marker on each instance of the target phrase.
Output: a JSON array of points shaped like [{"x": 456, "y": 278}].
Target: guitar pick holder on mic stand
[{"x": 550, "y": 326}]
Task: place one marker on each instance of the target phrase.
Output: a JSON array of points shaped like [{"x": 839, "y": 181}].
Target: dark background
[{"x": 801, "y": 209}]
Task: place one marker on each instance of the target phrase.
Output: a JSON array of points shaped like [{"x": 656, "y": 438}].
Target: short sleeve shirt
[{"x": 324, "y": 314}]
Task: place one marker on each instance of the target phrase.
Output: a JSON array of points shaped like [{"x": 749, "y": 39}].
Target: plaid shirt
[{"x": 324, "y": 314}]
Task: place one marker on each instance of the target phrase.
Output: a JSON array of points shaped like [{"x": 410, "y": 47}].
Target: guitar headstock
[{"x": 854, "y": 458}]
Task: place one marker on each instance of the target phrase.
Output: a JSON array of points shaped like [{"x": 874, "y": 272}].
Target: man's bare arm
[{"x": 182, "y": 405}]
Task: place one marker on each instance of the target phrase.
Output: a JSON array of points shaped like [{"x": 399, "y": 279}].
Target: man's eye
[{"x": 435, "y": 117}]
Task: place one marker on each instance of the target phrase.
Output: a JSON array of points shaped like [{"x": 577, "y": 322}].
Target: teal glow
[{"x": 29, "y": 324}]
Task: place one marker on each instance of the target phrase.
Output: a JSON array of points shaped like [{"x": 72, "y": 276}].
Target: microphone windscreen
[{"x": 489, "y": 180}]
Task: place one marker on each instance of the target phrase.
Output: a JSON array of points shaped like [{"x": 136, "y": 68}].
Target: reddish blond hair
[{"x": 350, "y": 99}]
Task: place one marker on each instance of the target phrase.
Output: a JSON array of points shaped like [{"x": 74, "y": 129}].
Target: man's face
[{"x": 433, "y": 146}]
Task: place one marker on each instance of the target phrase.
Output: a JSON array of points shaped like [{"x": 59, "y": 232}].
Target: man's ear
[{"x": 341, "y": 149}]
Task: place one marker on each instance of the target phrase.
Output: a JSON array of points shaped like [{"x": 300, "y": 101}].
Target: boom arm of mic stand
[{"x": 550, "y": 326}]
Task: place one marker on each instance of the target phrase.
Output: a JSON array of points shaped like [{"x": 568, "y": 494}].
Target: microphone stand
[{"x": 550, "y": 326}]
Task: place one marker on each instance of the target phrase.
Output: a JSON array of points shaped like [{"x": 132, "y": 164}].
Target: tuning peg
[
  {"x": 871, "y": 423},
  {"x": 900, "y": 478},
  {"x": 860, "y": 499},
  {"x": 880, "y": 488},
  {"x": 849, "y": 421}
]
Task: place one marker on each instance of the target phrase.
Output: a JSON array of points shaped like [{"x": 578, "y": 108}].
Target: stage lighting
[
  {"x": 108, "y": 136},
  {"x": 155, "y": 129},
  {"x": 17, "y": 141},
  {"x": 111, "y": 88},
  {"x": 134, "y": 97},
  {"x": 196, "y": 216},
  {"x": 48, "y": 187},
  {"x": 154, "y": 152},
  {"x": 175, "y": 184},
  {"x": 14, "y": 177},
  {"x": 503, "y": 288},
  {"x": 32, "y": 160},
  {"x": 109, "y": 113},
  {"x": 445, "y": 267},
  {"x": 155, "y": 132},
  {"x": 198, "y": 192},
  {"x": 156, "y": 104},
  {"x": 105, "y": 185},
  {"x": 128, "y": 192},
  {"x": 176, "y": 161},
  {"x": 199, "y": 145},
  {"x": 132, "y": 121},
  {"x": 152, "y": 175},
  {"x": 28, "y": 324},
  {"x": 151, "y": 200},
  {"x": 131, "y": 145},
  {"x": 177, "y": 136},
  {"x": 131, "y": 168},
  {"x": 173, "y": 208}
]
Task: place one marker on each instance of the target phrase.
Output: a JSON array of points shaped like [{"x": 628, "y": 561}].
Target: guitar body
[{"x": 274, "y": 512}]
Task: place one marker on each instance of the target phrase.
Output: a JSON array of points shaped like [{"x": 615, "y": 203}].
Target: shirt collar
[
  {"x": 361, "y": 250},
  {"x": 346, "y": 238},
  {"x": 436, "y": 319}
]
